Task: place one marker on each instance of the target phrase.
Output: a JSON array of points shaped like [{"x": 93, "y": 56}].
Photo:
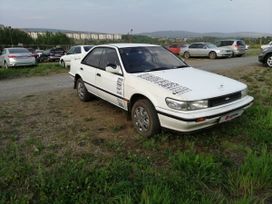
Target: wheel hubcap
[
  {"x": 141, "y": 119},
  {"x": 80, "y": 89},
  {"x": 269, "y": 61}
]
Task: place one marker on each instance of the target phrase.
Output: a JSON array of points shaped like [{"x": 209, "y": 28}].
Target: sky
[{"x": 120, "y": 16}]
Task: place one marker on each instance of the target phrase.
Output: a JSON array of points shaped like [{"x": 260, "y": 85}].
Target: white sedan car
[
  {"x": 75, "y": 52},
  {"x": 157, "y": 88}
]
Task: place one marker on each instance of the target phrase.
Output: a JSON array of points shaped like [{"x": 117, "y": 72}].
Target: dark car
[
  {"x": 33, "y": 52},
  {"x": 265, "y": 57},
  {"x": 52, "y": 54}
]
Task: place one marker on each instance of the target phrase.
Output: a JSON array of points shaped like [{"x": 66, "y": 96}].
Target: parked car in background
[
  {"x": 265, "y": 56},
  {"x": 267, "y": 45},
  {"x": 33, "y": 52},
  {"x": 39, "y": 52},
  {"x": 238, "y": 47},
  {"x": 75, "y": 52},
  {"x": 52, "y": 54},
  {"x": 175, "y": 49},
  {"x": 202, "y": 49},
  {"x": 16, "y": 56},
  {"x": 157, "y": 88}
]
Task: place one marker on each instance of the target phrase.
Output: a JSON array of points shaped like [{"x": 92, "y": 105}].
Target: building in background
[{"x": 33, "y": 32}]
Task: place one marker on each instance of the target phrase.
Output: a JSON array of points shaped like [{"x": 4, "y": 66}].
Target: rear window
[
  {"x": 226, "y": 43},
  {"x": 18, "y": 50},
  {"x": 241, "y": 43}
]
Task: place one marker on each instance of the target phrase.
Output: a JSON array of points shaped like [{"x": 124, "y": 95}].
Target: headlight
[
  {"x": 186, "y": 105},
  {"x": 244, "y": 93}
]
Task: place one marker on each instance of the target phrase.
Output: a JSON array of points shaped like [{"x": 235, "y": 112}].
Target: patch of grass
[
  {"x": 51, "y": 153},
  {"x": 41, "y": 69},
  {"x": 253, "y": 51}
]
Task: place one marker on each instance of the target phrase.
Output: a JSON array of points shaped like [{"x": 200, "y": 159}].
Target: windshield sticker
[{"x": 172, "y": 86}]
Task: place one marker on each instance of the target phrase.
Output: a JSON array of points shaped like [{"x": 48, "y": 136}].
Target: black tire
[
  {"x": 82, "y": 92},
  {"x": 145, "y": 118},
  {"x": 186, "y": 55},
  {"x": 62, "y": 63},
  {"x": 268, "y": 60},
  {"x": 212, "y": 55},
  {"x": 6, "y": 65}
]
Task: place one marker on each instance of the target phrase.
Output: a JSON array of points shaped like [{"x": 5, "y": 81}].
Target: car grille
[{"x": 217, "y": 101}]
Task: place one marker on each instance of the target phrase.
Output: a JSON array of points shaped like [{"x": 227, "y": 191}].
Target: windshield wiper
[
  {"x": 182, "y": 66},
  {"x": 159, "y": 68}
]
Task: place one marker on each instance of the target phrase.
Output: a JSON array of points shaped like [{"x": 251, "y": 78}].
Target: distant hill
[
  {"x": 53, "y": 30},
  {"x": 187, "y": 34}
]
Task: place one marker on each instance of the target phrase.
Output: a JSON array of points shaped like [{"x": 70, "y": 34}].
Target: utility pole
[{"x": 10, "y": 35}]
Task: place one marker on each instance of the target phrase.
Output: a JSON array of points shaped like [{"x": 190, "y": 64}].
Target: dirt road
[{"x": 17, "y": 88}]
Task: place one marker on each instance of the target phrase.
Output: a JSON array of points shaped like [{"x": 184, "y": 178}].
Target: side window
[
  {"x": 109, "y": 57},
  {"x": 77, "y": 50},
  {"x": 201, "y": 46},
  {"x": 193, "y": 46},
  {"x": 93, "y": 58}
]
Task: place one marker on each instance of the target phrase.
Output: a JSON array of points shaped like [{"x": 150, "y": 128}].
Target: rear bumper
[{"x": 185, "y": 123}]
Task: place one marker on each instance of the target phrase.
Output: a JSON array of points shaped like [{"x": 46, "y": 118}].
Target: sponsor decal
[
  {"x": 119, "y": 86},
  {"x": 164, "y": 83}
]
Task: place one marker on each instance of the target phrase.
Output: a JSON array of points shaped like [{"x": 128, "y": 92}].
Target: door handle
[
  {"x": 81, "y": 68},
  {"x": 98, "y": 74}
]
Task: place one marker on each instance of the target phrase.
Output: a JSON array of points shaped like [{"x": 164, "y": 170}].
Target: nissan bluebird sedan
[{"x": 158, "y": 89}]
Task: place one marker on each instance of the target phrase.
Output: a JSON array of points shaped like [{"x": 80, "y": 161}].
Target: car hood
[{"x": 188, "y": 83}]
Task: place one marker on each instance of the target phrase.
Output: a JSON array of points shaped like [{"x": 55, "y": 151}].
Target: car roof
[{"x": 123, "y": 45}]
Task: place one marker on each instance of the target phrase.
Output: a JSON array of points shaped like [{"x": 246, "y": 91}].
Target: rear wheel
[
  {"x": 186, "y": 55},
  {"x": 145, "y": 118},
  {"x": 268, "y": 61},
  {"x": 82, "y": 92},
  {"x": 6, "y": 65},
  {"x": 212, "y": 55}
]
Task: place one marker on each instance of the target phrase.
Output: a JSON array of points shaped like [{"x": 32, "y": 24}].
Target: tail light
[{"x": 11, "y": 56}]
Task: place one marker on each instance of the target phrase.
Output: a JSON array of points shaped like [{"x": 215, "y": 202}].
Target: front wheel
[
  {"x": 186, "y": 55},
  {"x": 212, "y": 55},
  {"x": 145, "y": 118},
  {"x": 82, "y": 92},
  {"x": 268, "y": 61}
]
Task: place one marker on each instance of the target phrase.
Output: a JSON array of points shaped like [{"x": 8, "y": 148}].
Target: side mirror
[{"x": 113, "y": 68}]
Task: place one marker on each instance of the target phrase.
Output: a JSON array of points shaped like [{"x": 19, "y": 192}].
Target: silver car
[
  {"x": 202, "y": 49},
  {"x": 238, "y": 47},
  {"x": 17, "y": 56}
]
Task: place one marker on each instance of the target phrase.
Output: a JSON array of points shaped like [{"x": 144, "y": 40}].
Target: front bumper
[
  {"x": 261, "y": 58},
  {"x": 188, "y": 122}
]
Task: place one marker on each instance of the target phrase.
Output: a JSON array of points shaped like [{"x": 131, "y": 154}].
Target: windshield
[
  {"x": 18, "y": 50},
  {"x": 150, "y": 58},
  {"x": 211, "y": 45}
]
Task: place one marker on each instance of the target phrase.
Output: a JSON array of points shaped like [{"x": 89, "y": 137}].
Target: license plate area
[{"x": 230, "y": 116}]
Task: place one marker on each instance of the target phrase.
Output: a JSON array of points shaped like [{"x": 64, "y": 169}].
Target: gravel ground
[{"x": 18, "y": 88}]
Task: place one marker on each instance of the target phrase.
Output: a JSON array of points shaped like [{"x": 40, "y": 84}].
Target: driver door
[{"x": 110, "y": 85}]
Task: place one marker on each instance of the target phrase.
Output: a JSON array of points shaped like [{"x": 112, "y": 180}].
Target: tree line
[{"x": 14, "y": 37}]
